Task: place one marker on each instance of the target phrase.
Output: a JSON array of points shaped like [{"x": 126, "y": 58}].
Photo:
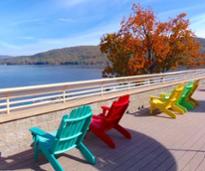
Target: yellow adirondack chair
[{"x": 168, "y": 106}]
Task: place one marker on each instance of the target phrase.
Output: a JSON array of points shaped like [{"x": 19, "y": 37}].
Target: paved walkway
[{"x": 158, "y": 143}]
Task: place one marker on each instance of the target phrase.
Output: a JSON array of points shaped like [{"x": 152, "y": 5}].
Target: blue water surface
[{"x": 25, "y": 75}]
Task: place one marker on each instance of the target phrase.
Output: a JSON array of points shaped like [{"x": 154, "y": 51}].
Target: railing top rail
[{"x": 61, "y": 86}]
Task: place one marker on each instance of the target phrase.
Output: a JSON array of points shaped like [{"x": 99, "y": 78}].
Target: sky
[{"x": 31, "y": 26}]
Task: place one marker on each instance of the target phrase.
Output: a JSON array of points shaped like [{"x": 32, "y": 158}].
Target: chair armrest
[
  {"x": 173, "y": 100},
  {"x": 36, "y": 131},
  {"x": 164, "y": 96},
  {"x": 154, "y": 97},
  {"x": 104, "y": 109}
]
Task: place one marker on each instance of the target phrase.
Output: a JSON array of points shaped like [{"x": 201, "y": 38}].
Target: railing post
[
  {"x": 8, "y": 105},
  {"x": 129, "y": 85},
  {"x": 64, "y": 96},
  {"x": 102, "y": 90},
  {"x": 163, "y": 80},
  {"x": 149, "y": 81}
]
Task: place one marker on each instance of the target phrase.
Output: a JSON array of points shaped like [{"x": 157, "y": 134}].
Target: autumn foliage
[{"x": 145, "y": 45}]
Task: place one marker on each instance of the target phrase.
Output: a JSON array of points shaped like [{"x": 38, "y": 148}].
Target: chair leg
[
  {"x": 52, "y": 160},
  {"x": 171, "y": 114},
  {"x": 182, "y": 107},
  {"x": 35, "y": 147},
  {"x": 177, "y": 109},
  {"x": 104, "y": 137},
  {"x": 123, "y": 131},
  {"x": 187, "y": 105},
  {"x": 151, "y": 109},
  {"x": 193, "y": 101},
  {"x": 86, "y": 153},
  {"x": 36, "y": 151}
]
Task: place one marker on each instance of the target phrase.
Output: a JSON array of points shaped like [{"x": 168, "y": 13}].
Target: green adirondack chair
[
  {"x": 69, "y": 135},
  {"x": 186, "y": 100},
  {"x": 190, "y": 98}
]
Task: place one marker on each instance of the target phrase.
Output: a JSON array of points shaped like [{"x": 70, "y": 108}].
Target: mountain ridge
[{"x": 78, "y": 55}]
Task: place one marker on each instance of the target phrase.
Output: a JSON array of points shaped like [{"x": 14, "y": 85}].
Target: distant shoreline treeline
[{"x": 69, "y": 65}]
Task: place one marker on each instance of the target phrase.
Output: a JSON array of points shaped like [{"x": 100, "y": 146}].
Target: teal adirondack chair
[{"x": 69, "y": 135}]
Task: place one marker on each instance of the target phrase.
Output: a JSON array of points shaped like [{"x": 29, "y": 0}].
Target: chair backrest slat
[
  {"x": 187, "y": 90},
  {"x": 176, "y": 93},
  {"x": 195, "y": 86},
  {"x": 72, "y": 129}
]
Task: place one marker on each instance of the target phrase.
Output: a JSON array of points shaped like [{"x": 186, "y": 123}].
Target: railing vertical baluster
[{"x": 8, "y": 105}]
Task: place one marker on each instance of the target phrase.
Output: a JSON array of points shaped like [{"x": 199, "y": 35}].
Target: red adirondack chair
[{"x": 108, "y": 119}]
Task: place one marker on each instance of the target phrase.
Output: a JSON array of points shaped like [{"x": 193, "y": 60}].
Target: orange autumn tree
[
  {"x": 145, "y": 45},
  {"x": 119, "y": 55}
]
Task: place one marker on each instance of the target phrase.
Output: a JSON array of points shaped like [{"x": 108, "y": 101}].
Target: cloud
[
  {"x": 173, "y": 12},
  {"x": 198, "y": 19},
  {"x": 26, "y": 37},
  {"x": 7, "y": 45},
  {"x": 71, "y": 3},
  {"x": 90, "y": 37},
  {"x": 200, "y": 33},
  {"x": 69, "y": 20},
  {"x": 198, "y": 25},
  {"x": 26, "y": 21},
  {"x": 85, "y": 37},
  {"x": 197, "y": 22}
]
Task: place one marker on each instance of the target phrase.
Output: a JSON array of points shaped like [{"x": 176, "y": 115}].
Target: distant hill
[
  {"x": 202, "y": 42},
  {"x": 79, "y": 55},
  {"x": 4, "y": 56}
]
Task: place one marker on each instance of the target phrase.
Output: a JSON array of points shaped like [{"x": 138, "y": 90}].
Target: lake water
[{"x": 24, "y": 75}]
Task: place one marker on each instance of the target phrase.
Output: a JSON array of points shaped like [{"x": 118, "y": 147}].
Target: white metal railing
[{"x": 30, "y": 96}]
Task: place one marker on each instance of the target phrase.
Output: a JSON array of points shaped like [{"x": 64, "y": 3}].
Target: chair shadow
[
  {"x": 23, "y": 160},
  {"x": 200, "y": 108},
  {"x": 146, "y": 113},
  {"x": 141, "y": 152}
]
